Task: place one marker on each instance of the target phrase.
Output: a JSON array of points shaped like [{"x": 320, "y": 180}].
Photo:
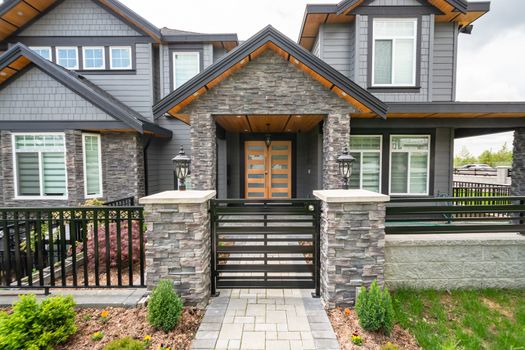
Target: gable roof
[
  {"x": 17, "y": 14},
  {"x": 18, "y": 58},
  {"x": 269, "y": 38},
  {"x": 460, "y": 11}
]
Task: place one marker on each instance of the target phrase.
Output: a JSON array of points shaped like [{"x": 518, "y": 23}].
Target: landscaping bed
[
  {"x": 122, "y": 322},
  {"x": 347, "y": 324}
]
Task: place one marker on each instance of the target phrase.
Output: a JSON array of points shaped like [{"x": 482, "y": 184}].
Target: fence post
[
  {"x": 178, "y": 243},
  {"x": 352, "y": 243}
]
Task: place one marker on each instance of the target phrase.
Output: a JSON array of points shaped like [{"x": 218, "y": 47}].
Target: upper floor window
[
  {"x": 43, "y": 51},
  {"x": 186, "y": 65},
  {"x": 94, "y": 57},
  {"x": 40, "y": 165},
  {"x": 120, "y": 57},
  {"x": 67, "y": 57},
  {"x": 394, "y": 52}
]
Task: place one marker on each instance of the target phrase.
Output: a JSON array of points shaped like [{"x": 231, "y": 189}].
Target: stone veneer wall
[
  {"x": 122, "y": 164},
  {"x": 178, "y": 248},
  {"x": 268, "y": 85},
  {"x": 518, "y": 163},
  {"x": 352, "y": 249},
  {"x": 455, "y": 261}
]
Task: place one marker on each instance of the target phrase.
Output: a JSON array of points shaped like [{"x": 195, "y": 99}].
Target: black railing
[
  {"x": 123, "y": 202},
  {"x": 72, "y": 247},
  {"x": 472, "y": 189},
  {"x": 265, "y": 244},
  {"x": 456, "y": 215},
  {"x": 476, "y": 172}
]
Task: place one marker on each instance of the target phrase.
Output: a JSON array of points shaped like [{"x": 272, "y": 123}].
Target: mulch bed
[
  {"x": 344, "y": 326},
  {"x": 122, "y": 322}
]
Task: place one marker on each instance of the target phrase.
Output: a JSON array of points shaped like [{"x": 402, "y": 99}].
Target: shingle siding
[
  {"x": 443, "y": 72},
  {"x": 37, "y": 96},
  {"x": 394, "y": 3},
  {"x": 135, "y": 90},
  {"x": 79, "y": 18}
]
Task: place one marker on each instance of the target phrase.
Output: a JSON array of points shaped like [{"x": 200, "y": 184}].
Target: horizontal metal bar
[
  {"x": 265, "y": 268},
  {"x": 230, "y": 258},
  {"x": 264, "y": 230},
  {"x": 454, "y": 229},
  {"x": 269, "y": 220},
  {"x": 266, "y": 284},
  {"x": 452, "y": 210},
  {"x": 267, "y": 240},
  {"x": 465, "y": 217},
  {"x": 250, "y": 249},
  {"x": 456, "y": 199}
]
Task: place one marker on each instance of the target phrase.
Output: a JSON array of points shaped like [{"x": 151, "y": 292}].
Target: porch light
[
  {"x": 181, "y": 164},
  {"x": 345, "y": 161}
]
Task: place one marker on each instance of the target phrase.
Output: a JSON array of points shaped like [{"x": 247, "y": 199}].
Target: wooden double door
[{"x": 268, "y": 170}]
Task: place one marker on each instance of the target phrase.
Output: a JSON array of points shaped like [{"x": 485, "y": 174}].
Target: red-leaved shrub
[{"x": 124, "y": 245}]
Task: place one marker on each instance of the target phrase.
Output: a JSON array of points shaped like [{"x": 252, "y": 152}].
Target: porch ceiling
[{"x": 268, "y": 123}]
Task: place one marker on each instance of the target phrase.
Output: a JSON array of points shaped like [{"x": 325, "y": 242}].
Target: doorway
[{"x": 268, "y": 170}]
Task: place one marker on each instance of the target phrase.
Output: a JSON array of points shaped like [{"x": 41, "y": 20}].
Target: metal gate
[{"x": 265, "y": 244}]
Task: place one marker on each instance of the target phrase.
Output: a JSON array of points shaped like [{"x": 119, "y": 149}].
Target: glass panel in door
[
  {"x": 255, "y": 160},
  {"x": 280, "y": 170}
]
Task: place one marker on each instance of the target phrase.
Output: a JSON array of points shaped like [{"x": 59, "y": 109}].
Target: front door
[{"x": 268, "y": 173}]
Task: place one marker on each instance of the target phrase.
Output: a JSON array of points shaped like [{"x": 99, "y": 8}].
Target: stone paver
[{"x": 260, "y": 319}]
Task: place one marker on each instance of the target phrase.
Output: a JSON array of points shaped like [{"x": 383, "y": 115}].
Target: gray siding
[
  {"x": 443, "y": 73},
  {"x": 218, "y": 53},
  {"x": 135, "y": 90},
  {"x": 79, "y": 18},
  {"x": 443, "y": 162},
  {"x": 316, "y": 49},
  {"x": 337, "y": 44},
  {"x": 309, "y": 163},
  {"x": 37, "y": 96},
  {"x": 161, "y": 153},
  {"x": 394, "y": 3}
]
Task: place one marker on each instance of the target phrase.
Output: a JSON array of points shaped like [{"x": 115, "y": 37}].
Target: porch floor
[{"x": 272, "y": 319}]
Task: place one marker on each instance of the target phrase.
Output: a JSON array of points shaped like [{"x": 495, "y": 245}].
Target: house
[{"x": 95, "y": 102}]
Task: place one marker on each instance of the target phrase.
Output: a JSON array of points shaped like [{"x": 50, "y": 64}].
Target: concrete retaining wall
[{"x": 455, "y": 261}]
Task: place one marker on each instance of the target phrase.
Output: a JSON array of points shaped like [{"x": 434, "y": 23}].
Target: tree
[{"x": 464, "y": 157}]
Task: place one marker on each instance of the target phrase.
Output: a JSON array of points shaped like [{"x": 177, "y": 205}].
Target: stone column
[
  {"x": 518, "y": 163},
  {"x": 336, "y": 136},
  {"x": 203, "y": 152},
  {"x": 178, "y": 244},
  {"x": 352, "y": 243}
]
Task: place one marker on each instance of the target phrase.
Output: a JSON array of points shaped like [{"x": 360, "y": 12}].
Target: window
[
  {"x": 40, "y": 165},
  {"x": 67, "y": 57},
  {"x": 92, "y": 166},
  {"x": 409, "y": 164},
  {"x": 366, "y": 169},
  {"x": 186, "y": 65},
  {"x": 43, "y": 51},
  {"x": 120, "y": 57},
  {"x": 94, "y": 58},
  {"x": 394, "y": 52}
]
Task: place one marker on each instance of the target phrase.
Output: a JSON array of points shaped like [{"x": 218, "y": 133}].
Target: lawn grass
[{"x": 486, "y": 319}]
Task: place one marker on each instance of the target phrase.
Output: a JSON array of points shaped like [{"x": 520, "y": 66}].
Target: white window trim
[
  {"x": 111, "y": 57},
  {"x": 98, "y": 195},
  {"x": 394, "y": 38},
  {"x": 58, "y": 48},
  {"x": 184, "y": 53},
  {"x": 409, "y": 156},
  {"x": 47, "y": 48},
  {"x": 380, "y": 151},
  {"x": 40, "y": 175},
  {"x": 84, "y": 48}
]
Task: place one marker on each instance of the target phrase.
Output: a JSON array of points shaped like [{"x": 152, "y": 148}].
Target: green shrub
[
  {"x": 37, "y": 326},
  {"x": 164, "y": 307},
  {"x": 375, "y": 310},
  {"x": 389, "y": 346},
  {"x": 126, "y": 343}
]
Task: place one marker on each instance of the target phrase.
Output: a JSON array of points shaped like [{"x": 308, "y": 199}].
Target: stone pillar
[
  {"x": 518, "y": 163},
  {"x": 336, "y": 136},
  {"x": 203, "y": 152},
  {"x": 178, "y": 244},
  {"x": 352, "y": 243}
]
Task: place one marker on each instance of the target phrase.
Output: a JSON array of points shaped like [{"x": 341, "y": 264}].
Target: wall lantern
[
  {"x": 181, "y": 164},
  {"x": 345, "y": 161}
]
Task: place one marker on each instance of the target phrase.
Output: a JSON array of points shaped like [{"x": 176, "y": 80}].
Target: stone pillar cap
[
  {"x": 178, "y": 197},
  {"x": 351, "y": 196}
]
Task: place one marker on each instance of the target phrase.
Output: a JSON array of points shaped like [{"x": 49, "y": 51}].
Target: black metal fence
[
  {"x": 83, "y": 247},
  {"x": 476, "y": 172},
  {"x": 473, "y": 189},
  {"x": 265, "y": 244},
  {"x": 456, "y": 215},
  {"x": 123, "y": 202}
]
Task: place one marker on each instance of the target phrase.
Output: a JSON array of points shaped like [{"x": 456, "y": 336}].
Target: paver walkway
[{"x": 272, "y": 319}]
